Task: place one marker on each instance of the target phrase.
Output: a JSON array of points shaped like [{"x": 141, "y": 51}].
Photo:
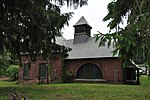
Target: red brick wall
[
  {"x": 55, "y": 70},
  {"x": 108, "y": 67}
]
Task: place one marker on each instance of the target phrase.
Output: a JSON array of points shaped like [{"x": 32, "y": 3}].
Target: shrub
[
  {"x": 12, "y": 72},
  {"x": 4, "y": 64},
  {"x": 68, "y": 76},
  {"x": 2, "y": 71}
]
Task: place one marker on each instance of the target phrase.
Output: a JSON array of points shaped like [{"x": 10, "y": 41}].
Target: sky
[{"x": 94, "y": 13}]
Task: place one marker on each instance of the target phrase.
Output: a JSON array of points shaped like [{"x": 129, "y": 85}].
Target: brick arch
[
  {"x": 98, "y": 64},
  {"x": 89, "y": 71}
]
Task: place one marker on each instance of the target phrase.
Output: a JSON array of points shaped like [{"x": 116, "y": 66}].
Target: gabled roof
[
  {"x": 82, "y": 21},
  {"x": 90, "y": 49}
]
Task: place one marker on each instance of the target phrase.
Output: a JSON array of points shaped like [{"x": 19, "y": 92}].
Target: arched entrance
[{"x": 89, "y": 71}]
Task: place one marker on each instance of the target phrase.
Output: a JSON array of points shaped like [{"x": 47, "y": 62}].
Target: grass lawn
[{"x": 78, "y": 91}]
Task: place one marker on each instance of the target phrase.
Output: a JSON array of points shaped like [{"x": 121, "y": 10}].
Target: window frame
[
  {"x": 94, "y": 70},
  {"x": 41, "y": 76},
  {"x": 26, "y": 70}
]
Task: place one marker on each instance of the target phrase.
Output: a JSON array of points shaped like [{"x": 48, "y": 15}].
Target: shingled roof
[
  {"x": 87, "y": 48},
  {"x": 90, "y": 49},
  {"x": 82, "y": 21}
]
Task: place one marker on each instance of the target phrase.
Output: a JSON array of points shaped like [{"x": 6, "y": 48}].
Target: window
[
  {"x": 80, "y": 29},
  {"x": 130, "y": 74},
  {"x": 42, "y": 71},
  {"x": 26, "y": 70},
  {"x": 89, "y": 71}
]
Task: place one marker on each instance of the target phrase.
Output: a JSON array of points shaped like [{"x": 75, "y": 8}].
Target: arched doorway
[{"x": 89, "y": 71}]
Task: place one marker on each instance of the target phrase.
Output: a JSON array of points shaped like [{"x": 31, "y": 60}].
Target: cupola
[{"x": 82, "y": 31}]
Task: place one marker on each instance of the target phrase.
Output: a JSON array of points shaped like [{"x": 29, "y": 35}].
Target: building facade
[{"x": 88, "y": 61}]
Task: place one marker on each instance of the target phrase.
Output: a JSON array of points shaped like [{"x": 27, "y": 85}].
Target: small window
[
  {"x": 42, "y": 71},
  {"x": 131, "y": 74},
  {"x": 26, "y": 70}
]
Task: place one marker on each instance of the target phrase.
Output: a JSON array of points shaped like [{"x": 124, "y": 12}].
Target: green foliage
[
  {"x": 68, "y": 76},
  {"x": 5, "y": 61},
  {"x": 12, "y": 72},
  {"x": 31, "y": 26},
  {"x": 4, "y": 64},
  {"x": 131, "y": 42}
]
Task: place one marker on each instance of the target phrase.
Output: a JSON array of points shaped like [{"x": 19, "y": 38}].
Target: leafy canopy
[
  {"x": 30, "y": 26},
  {"x": 133, "y": 41}
]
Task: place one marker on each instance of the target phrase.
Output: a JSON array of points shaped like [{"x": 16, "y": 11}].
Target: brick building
[{"x": 87, "y": 60}]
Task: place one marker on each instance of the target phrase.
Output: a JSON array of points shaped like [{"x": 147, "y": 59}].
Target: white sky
[{"x": 94, "y": 13}]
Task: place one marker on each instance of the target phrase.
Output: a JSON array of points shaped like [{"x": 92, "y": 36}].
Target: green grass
[{"x": 78, "y": 91}]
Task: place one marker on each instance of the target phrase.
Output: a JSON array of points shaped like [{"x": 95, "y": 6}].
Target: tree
[
  {"x": 4, "y": 62},
  {"x": 133, "y": 41},
  {"x": 30, "y": 26}
]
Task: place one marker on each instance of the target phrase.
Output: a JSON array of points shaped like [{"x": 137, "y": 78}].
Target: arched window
[{"x": 89, "y": 71}]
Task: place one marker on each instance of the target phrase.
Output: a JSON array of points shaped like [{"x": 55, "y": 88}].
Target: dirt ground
[{"x": 4, "y": 78}]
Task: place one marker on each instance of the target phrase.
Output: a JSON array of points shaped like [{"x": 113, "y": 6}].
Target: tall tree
[
  {"x": 32, "y": 25},
  {"x": 133, "y": 41}
]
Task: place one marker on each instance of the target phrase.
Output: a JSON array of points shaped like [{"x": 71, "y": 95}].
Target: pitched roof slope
[
  {"x": 82, "y": 21},
  {"x": 90, "y": 49}
]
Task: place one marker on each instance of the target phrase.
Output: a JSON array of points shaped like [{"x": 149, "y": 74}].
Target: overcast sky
[{"x": 94, "y": 13}]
